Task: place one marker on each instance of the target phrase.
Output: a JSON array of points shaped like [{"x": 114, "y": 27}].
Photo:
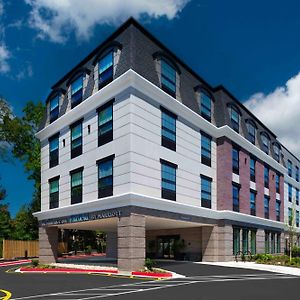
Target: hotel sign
[{"x": 104, "y": 214}]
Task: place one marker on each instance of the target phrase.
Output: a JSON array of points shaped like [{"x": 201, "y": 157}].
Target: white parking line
[{"x": 123, "y": 289}]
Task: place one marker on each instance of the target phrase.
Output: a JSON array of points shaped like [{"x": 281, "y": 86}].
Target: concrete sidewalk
[{"x": 254, "y": 266}]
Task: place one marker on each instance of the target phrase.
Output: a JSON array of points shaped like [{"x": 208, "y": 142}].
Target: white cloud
[
  {"x": 25, "y": 72},
  {"x": 280, "y": 111},
  {"x": 4, "y": 58},
  {"x": 56, "y": 19}
]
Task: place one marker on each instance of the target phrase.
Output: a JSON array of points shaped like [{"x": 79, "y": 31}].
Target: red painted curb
[
  {"x": 16, "y": 262},
  {"x": 165, "y": 275},
  {"x": 66, "y": 270}
]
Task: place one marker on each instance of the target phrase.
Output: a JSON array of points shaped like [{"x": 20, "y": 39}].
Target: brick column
[
  {"x": 224, "y": 174},
  {"x": 259, "y": 170},
  {"x": 111, "y": 245},
  {"x": 48, "y": 244},
  {"x": 131, "y": 242},
  {"x": 272, "y": 192},
  {"x": 244, "y": 182}
]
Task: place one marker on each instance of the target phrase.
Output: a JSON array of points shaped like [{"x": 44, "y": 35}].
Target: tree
[{"x": 5, "y": 111}]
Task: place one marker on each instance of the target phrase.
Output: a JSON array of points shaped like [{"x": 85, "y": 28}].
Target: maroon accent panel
[
  {"x": 282, "y": 198},
  {"x": 272, "y": 193},
  {"x": 260, "y": 189},
  {"x": 244, "y": 182},
  {"x": 224, "y": 174}
]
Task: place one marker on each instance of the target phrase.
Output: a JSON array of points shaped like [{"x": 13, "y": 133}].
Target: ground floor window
[
  {"x": 236, "y": 240},
  {"x": 278, "y": 243},
  {"x": 253, "y": 242},
  {"x": 273, "y": 243},
  {"x": 245, "y": 241}
]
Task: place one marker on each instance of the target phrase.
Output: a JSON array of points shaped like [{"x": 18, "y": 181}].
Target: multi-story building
[{"x": 137, "y": 144}]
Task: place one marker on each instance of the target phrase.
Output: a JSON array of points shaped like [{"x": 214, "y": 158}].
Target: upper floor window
[
  {"x": 290, "y": 216},
  {"x": 105, "y": 124},
  {"x": 278, "y": 205},
  {"x": 235, "y": 160},
  {"x": 251, "y": 132},
  {"x": 205, "y": 105},
  {"x": 266, "y": 176},
  {"x": 54, "y": 108},
  {"x": 297, "y": 196},
  {"x": 106, "y": 69},
  {"x": 297, "y": 174},
  {"x": 76, "y": 139},
  {"x": 266, "y": 206},
  {"x": 297, "y": 218},
  {"x": 235, "y": 118},
  {"x": 290, "y": 168},
  {"x": 276, "y": 152},
  {"x": 76, "y": 185},
  {"x": 168, "y": 180},
  {"x": 206, "y": 191},
  {"x": 252, "y": 203},
  {"x": 53, "y": 150},
  {"x": 76, "y": 91},
  {"x": 277, "y": 182},
  {"x": 290, "y": 192},
  {"x": 53, "y": 192},
  {"x": 265, "y": 143},
  {"x": 205, "y": 149},
  {"x": 252, "y": 169},
  {"x": 168, "y": 129},
  {"x": 235, "y": 197},
  {"x": 105, "y": 177},
  {"x": 168, "y": 78}
]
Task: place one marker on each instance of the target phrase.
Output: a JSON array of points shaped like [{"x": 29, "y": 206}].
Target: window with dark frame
[
  {"x": 206, "y": 183},
  {"x": 76, "y": 185},
  {"x": 236, "y": 240},
  {"x": 54, "y": 192},
  {"x": 297, "y": 196},
  {"x": 105, "y": 176},
  {"x": 290, "y": 216},
  {"x": 76, "y": 139},
  {"x": 276, "y": 152},
  {"x": 76, "y": 91},
  {"x": 297, "y": 218},
  {"x": 168, "y": 180},
  {"x": 168, "y": 78},
  {"x": 290, "y": 168},
  {"x": 277, "y": 182},
  {"x": 290, "y": 192},
  {"x": 297, "y": 174},
  {"x": 266, "y": 176},
  {"x": 235, "y": 197},
  {"x": 252, "y": 168},
  {"x": 267, "y": 206},
  {"x": 54, "y": 150},
  {"x": 265, "y": 143},
  {"x": 105, "y": 123},
  {"x": 54, "y": 108},
  {"x": 235, "y": 160},
  {"x": 278, "y": 208},
  {"x": 235, "y": 119},
  {"x": 278, "y": 242},
  {"x": 245, "y": 243},
  {"x": 267, "y": 242},
  {"x": 205, "y": 149},
  {"x": 253, "y": 203},
  {"x": 205, "y": 105},
  {"x": 251, "y": 132},
  {"x": 168, "y": 129},
  {"x": 273, "y": 248},
  {"x": 106, "y": 69},
  {"x": 253, "y": 242}
]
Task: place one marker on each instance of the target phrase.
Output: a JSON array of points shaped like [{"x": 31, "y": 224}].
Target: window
[
  {"x": 266, "y": 206},
  {"x": 53, "y": 150},
  {"x": 273, "y": 242},
  {"x": 205, "y": 105},
  {"x": 266, "y": 176},
  {"x": 245, "y": 245},
  {"x": 54, "y": 192},
  {"x": 235, "y": 119},
  {"x": 76, "y": 91},
  {"x": 236, "y": 197},
  {"x": 252, "y": 169},
  {"x": 205, "y": 149},
  {"x": 105, "y": 177},
  {"x": 251, "y": 132},
  {"x": 290, "y": 192},
  {"x": 106, "y": 69},
  {"x": 276, "y": 152},
  {"x": 290, "y": 216},
  {"x": 236, "y": 240},
  {"x": 168, "y": 129},
  {"x": 168, "y": 78},
  {"x": 105, "y": 124},
  {"x": 252, "y": 203},
  {"x": 54, "y": 108},
  {"x": 235, "y": 160},
  {"x": 267, "y": 242},
  {"x": 297, "y": 218},
  {"x": 297, "y": 196},
  {"x": 265, "y": 143},
  {"x": 297, "y": 174},
  {"x": 206, "y": 191},
  {"x": 76, "y": 139},
  {"x": 277, "y": 182},
  {"x": 253, "y": 242},
  {"x": 290, "y": 168},
  {"x": 278, "y": 205},
  {"x": 168, "y": 180},
  {"x": 76, "y": 186},
  {"x": 278, "y": 242}
]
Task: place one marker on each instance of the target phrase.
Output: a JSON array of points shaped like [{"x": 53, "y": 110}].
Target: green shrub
[
  {"x": 149, "y": 264},
  {"x": 296, "y": 251},
  {"x": 88, "y": 249},
  {"x": 35, "y": 262}
]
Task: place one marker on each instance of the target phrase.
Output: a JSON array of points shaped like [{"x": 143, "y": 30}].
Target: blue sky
[{"x": 251, "y": 48}]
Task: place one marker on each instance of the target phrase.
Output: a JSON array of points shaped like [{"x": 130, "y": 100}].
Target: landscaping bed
[{"x": 278, "y": 260}]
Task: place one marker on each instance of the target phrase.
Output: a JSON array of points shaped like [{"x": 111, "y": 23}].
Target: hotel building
[{"x": 137, "y": 144}]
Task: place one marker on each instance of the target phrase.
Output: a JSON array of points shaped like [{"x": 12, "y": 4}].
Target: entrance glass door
[{"x": 165, "y": 246}]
